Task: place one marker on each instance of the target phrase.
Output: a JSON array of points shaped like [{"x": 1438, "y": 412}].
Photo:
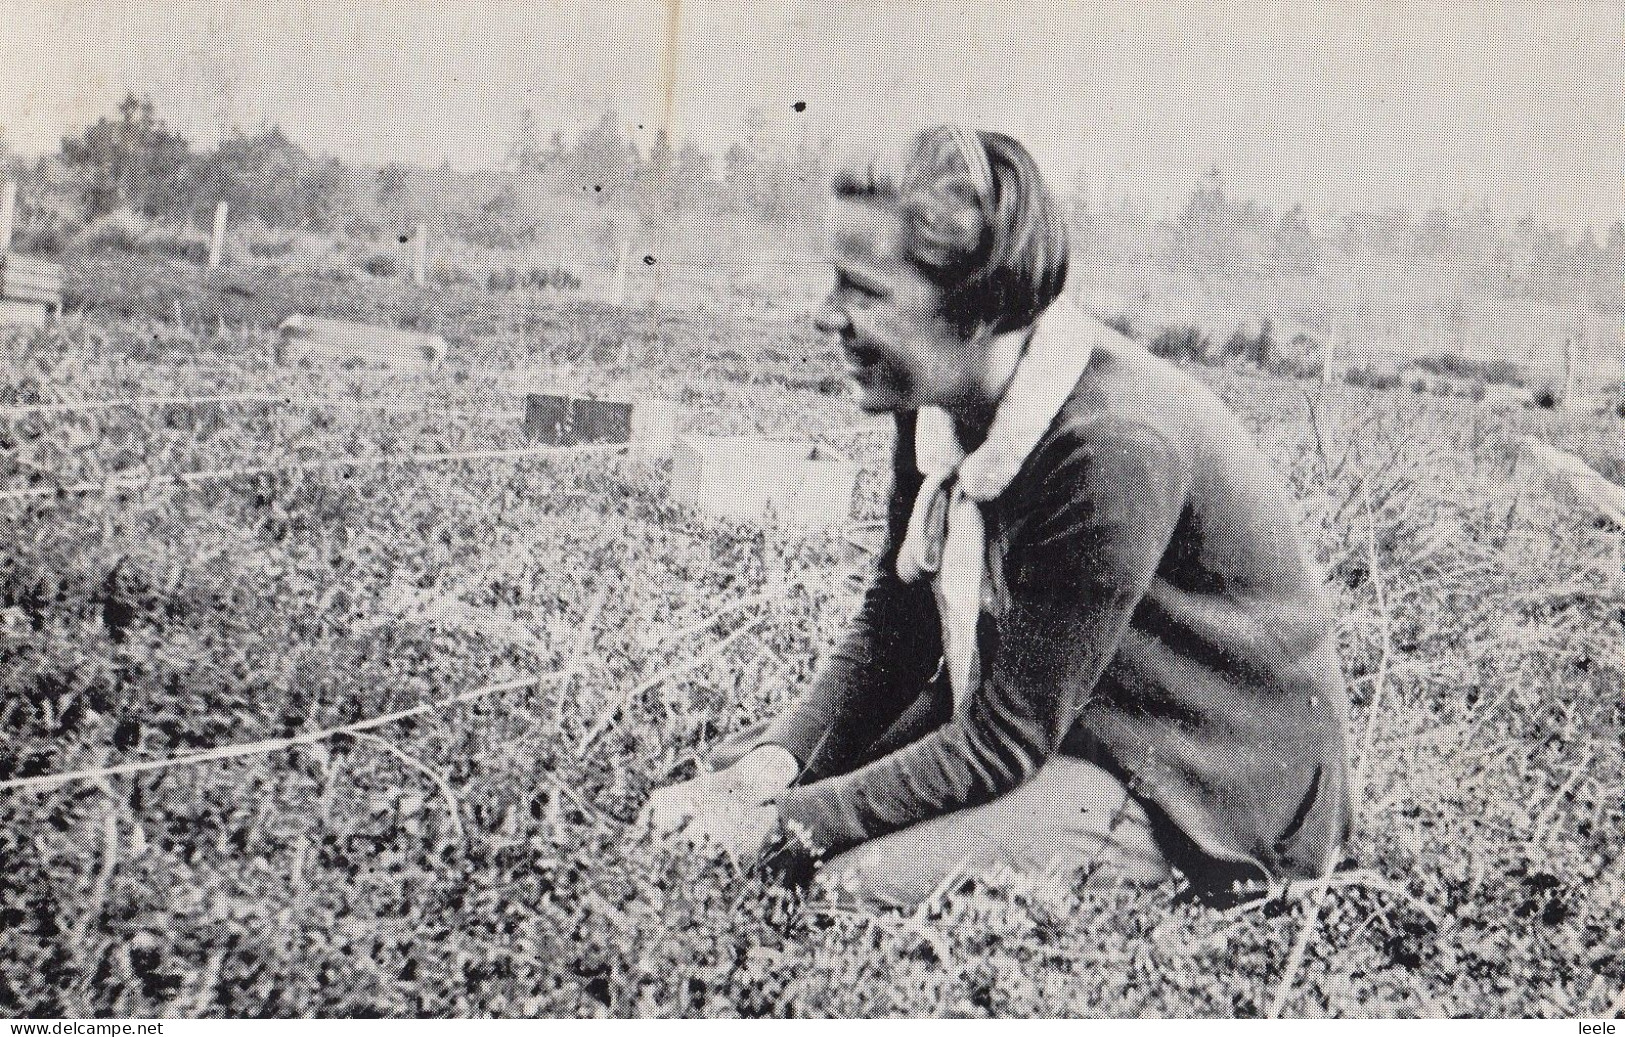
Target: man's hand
[
  {"x": 741, "y": 831},
  {"x": 710, "y": 798},
  {"x": 671, "y": 808}
]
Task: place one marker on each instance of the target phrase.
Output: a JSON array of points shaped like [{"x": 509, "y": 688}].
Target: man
[{"x": 1094, "y": 645}]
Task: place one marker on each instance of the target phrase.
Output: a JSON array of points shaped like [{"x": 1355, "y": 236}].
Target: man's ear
[{"x": 945, "y": 225}]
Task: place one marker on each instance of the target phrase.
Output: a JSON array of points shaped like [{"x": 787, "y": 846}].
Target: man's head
[{"x": 937, "y": 250}]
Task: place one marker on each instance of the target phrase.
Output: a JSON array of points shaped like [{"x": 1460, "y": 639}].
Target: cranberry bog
[{"x": 357, "y": 725}]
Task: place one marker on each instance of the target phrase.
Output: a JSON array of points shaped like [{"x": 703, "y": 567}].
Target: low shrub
[
  {"x": 448, "y": 275},
  {"x": 555, "y": 278},
  {"x": 1121, "y": 323},
  {"x": 1493, "y": 372},
  {"x": 381, "y": 264},
  {"x": 1291, "y": 367},
  {"x": 262, "y": 242},
  {"x": 177, "y": 244},
  {"x": 1546, "y": 397},
  {"x": 1369, "y": 377},
  {"x": 120, "y": 231},
  {"x": 1181, "y": 343},
  {"x": 128, "y": 232}
]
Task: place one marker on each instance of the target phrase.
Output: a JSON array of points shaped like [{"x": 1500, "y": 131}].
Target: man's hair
[{"x": 978, "y": 220}]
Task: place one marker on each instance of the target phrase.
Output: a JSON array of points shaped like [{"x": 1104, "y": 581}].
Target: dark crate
[
  {"x": 548, "y": 419},
  {"x": 602, "y": 421}
]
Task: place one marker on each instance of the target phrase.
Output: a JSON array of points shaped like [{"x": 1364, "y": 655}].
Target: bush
[
  {"x": 1236, "y": 347},
  {"x": 129, "y": 232},
  {"x": 381, "y": 264},
  {"x": 1180, "y": 343},
  {"x": 1263, "y": 346},
  {"x": 1121, "y": 323},
  {"x": 1419, "y": 386},
  {"x": 1546, "y": 398},
  {"x": 1291, "y": 367},
  {"x": 262, "y": 242},
  {"x": 446, "y": 275},
  {"x": 1370, "y": 377},
  {"x": 1476, "y": 392},
  {"x": 176, "y": 244},
  {"x": 1493, "y": 372},
  {"x": 119, "y": 231},
  {"x": 47, "y": 234},
  {"x": 554, "y": 278}
]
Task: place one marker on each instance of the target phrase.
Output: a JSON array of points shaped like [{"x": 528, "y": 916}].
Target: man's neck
[{"x": 973, "y": 417}]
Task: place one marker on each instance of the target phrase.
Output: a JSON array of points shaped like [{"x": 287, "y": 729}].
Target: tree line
[{"x": 131, "y": 161}]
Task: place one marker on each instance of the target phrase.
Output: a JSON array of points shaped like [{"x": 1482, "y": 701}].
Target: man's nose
[{"x": 832, "y": 320}]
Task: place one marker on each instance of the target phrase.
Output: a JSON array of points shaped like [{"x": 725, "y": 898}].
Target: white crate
[
  {"x": 23, "y": 314},
  {"x": 654, "y": 429},
  {"x": 757, "y": 480}
]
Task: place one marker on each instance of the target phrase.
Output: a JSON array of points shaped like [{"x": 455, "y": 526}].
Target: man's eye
[{"x": 846, "y": 284}]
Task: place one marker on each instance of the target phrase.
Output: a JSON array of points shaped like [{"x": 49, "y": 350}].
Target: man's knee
[{"x": 1072, "y": 822}]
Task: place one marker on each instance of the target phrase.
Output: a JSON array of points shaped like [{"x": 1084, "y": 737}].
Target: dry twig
[
  {"x": 1294, "y": 958},
  {"x": 613, "y": 709},
  {"x": 270, "y": 745},
  {"x": 452, "y": 803}
]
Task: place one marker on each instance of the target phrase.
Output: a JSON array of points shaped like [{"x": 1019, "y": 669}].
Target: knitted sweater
[{"x": 1149, "y": 607}]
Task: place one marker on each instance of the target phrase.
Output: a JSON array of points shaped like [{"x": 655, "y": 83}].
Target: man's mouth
[{"x": 859, "y": 357}]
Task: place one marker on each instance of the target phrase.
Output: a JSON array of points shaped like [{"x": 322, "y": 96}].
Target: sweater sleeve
[
  {"x": 881, "y": 665},
  {"x": 1101, "y": 519}
]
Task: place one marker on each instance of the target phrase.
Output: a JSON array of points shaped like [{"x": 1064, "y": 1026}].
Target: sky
[{"x": 1518, "y": 105}]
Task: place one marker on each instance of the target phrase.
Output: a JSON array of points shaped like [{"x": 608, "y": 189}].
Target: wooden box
[
  {"x": 649, "y": 426},
  {"x": 601, "y": 421},
  {"x": 23, "y": 314},
  {"x": 548, "y": 418},
  {"x": 23, "y": 279},
  {"x": 303, "y": 336},
  {"x": 743, "y": 478}
]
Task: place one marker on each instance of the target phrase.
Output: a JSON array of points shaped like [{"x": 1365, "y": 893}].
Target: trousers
[{"x": 1072, "y": 822}]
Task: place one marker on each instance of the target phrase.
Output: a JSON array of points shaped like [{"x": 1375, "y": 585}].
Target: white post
[
  {"x": 1568, "y": 373},
  {"x": 420, "y": 254},
  {"x": 217, "y": 242},
  {"x": 618, "y": 291},
  {"x": 8, "y": 211}
]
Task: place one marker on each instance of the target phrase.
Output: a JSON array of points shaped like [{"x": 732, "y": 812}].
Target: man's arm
[
  {"x": 1104, "y": 517},
  {"x": 881, "y": 665}
]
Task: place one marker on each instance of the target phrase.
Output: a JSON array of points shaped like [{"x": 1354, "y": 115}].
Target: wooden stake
[
  {"x": 618, "y": 292},
  {"x": 1567, "y": 399},
  {"x": 1328, "y": 356},
  {"x": 420, "y": 254},
  {"x": 8, "y": 211},
  {"x": 217, "y": 242}
]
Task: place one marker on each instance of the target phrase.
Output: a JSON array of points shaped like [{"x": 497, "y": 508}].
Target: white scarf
[{"x": 946, "y": 535}]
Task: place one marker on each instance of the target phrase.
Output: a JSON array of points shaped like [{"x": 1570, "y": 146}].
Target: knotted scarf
[{"x": 947, "y": 536}]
